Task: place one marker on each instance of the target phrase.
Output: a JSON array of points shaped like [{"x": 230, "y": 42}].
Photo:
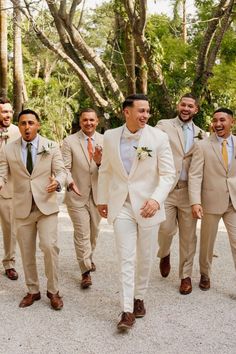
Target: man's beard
[
  {"x": 186, "y": 120},
  {"x": 4, "y": 124}
]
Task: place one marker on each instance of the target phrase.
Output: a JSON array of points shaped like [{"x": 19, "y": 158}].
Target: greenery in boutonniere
[
  {"x": 4, "y": 134},
  {"x": 199, "y": 136},
  {"x": 45, "y": 149},
  {"x": 143, "y": 152}
]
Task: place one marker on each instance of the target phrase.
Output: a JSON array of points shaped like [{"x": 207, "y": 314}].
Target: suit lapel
[
  {"x": 83, "y": 145},
  {"x": 232, "y": 167},
  {"x": 216, "y": 147},
  {"x": 179, "y": 129},
  {"x": 18, "y": 155},
  {"x": 142, "y": 142},
  {"x": 41, "y": 143},
  {"x": 117, "y": 150}
]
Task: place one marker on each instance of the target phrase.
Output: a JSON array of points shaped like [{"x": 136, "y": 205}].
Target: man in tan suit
[
  {"x": 37, "y": 171},
  {"x": 81, "y": 196},
  {"x": 182, "y": 133},
  {"x": 135, "y": 177},
  {"x": 212, "y": 188},
  {"x": 8, "y": 133}
]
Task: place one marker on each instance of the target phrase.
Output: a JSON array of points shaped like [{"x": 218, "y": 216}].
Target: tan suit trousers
[
  {"x": 8, "y": 231},
  {"x": 26, "y": 230},
  {"x": 85, "y": 222},
  {"x": 179, "y": 214},
  {"x": 209, "y": 229}
]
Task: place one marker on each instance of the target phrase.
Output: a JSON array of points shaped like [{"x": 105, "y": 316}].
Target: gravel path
[{"x": 202, "y": 322}]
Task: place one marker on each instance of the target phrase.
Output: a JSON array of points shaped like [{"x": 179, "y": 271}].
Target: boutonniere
[
  {"x": 4, "y": 134},
  {"x": 45, "y": 149},
  {"x": 143, "y": 152},
  {"x": 199, "y": 136}
]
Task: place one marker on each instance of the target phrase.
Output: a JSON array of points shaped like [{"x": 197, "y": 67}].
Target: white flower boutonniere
[
  {"x": 46, "y": 149},
  {"x": 143, "y": 152},
  {"x": 199, "y": 136}
]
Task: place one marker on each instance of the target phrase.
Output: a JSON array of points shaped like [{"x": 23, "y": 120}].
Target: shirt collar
[
  {"x": 189, "y": 124},
  {"x": 229, "y": 139},
  {"x": 137, "y": 133},
  {"x": 33, "y": 142},
  {"x": 86, "y": 136}
]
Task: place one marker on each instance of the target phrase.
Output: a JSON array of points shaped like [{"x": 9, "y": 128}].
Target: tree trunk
[
  {"x": 18, "y": 64},
  {"x": 3, "y": 48},
  {"x": 141, "y": 74},
  {"x": 129, "y": 56}
]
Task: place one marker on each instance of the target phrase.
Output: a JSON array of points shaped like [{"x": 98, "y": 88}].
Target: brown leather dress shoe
[
  {"x": 126, "y": 322},
  {"x": 29, "y": 299},
  {"x": 204, "y": 283},
  {"x": 86, "y": 280},
  {"x": 11, "y": 274},
  {"x": 139, "y": 309},
  {"x": 165, "y": 266},
  {"x": 93, "y": 269},
  {"x": 56, "y": 300},
  {"x": 185, "y": 286}
]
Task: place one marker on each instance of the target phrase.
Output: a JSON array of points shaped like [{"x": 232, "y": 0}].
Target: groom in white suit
[{"x": 135, "y": 177}]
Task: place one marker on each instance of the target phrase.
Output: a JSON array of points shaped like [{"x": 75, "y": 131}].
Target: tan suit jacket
[
  {"x": 26, "y": 186},
  {"x": 150, "y": 178},
  {"x": 209, "y": 183},
  {"x": 79, "y": 168},
  {"x": 13, "y": 133},
  {"x": 175, "y": 133}
]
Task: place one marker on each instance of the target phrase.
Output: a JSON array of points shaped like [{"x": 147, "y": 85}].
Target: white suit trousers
[{"x": 135, "y": 246}]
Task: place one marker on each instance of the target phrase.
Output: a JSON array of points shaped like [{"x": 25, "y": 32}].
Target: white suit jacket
[{"x": 151, "y": 177}]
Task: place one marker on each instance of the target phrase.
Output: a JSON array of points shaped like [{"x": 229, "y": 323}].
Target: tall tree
[
  {"x": 3, "y": 48},
  {"x": 99, "y": 79},
  {"x": 18, "y": 75}
]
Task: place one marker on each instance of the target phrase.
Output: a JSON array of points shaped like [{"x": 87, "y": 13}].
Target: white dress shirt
[
  {"x": 34, "y": 149},
  {"x": 128, "y": 143},
  {"x": 86, "y": 139}
]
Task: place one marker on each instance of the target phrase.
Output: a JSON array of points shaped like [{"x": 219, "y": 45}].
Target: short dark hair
[
  {"x": 87, "y": 110},
  {"x": 190, "y": 95},
  {"x": 224, "y": 110},
  {"x": 29, "y": 111},
  {"x": 129, "y": 101},
  {"x": 4, "y": 100}
]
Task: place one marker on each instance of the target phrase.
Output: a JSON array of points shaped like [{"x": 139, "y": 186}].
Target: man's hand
[
  {"x": 52, "y": 187},
  {"x": 74, "y": 188},
  {"x": 97, "y": 155},
  {"x": 103, "y": 209},
  {"x": 197, "y": 211},
  {"x": 149, "y": 208}
]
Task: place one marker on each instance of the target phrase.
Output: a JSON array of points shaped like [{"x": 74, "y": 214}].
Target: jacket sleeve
[{"x": 196, "y": 175}]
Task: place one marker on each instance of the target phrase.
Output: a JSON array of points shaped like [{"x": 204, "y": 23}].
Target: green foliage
[{"x": 56, "y": 93}]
